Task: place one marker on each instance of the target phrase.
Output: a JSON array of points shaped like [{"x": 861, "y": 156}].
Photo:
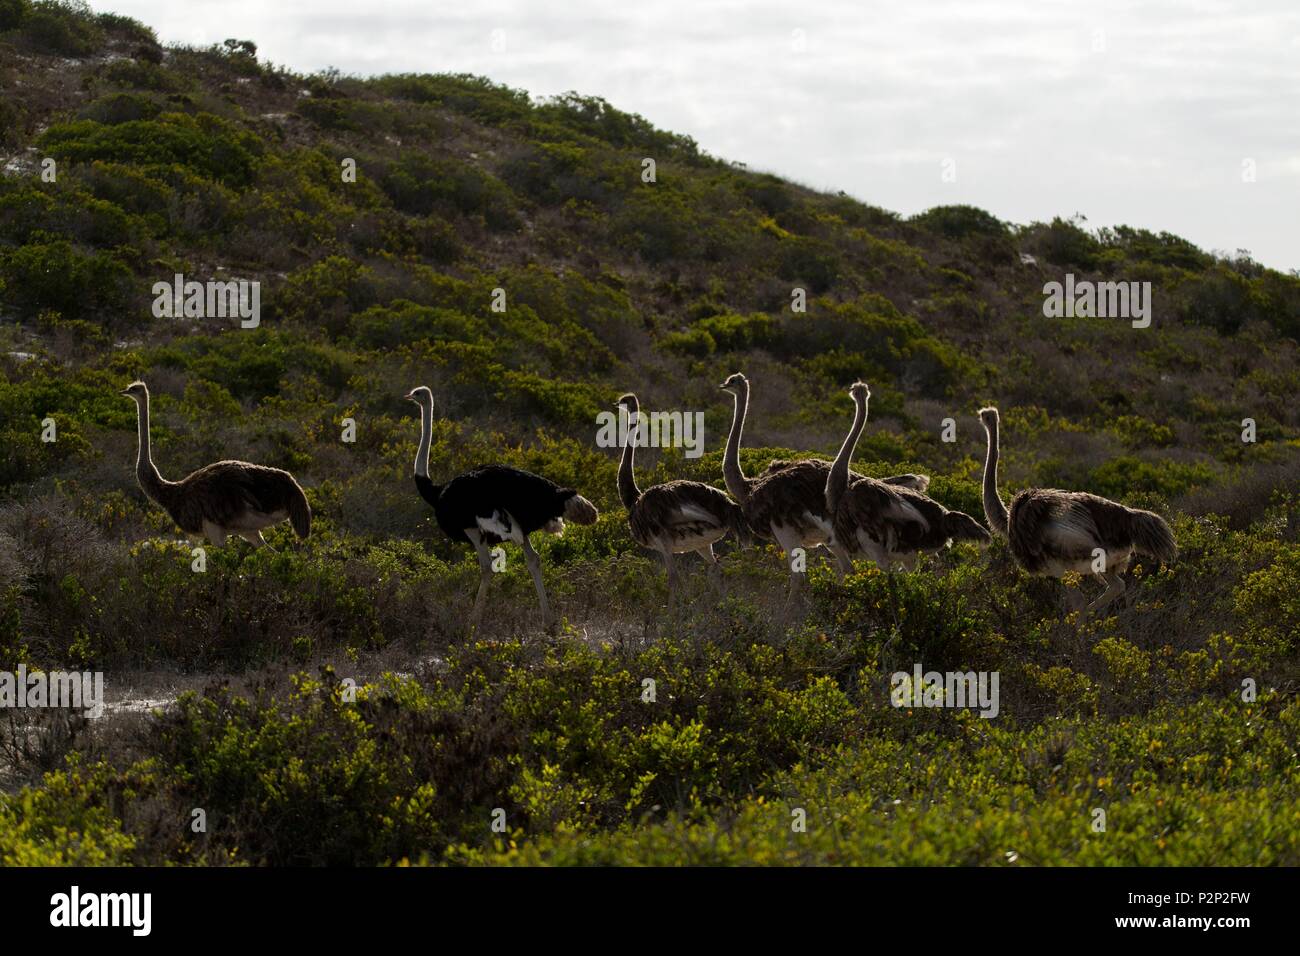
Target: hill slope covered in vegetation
[{"x": 213, "y": 165}]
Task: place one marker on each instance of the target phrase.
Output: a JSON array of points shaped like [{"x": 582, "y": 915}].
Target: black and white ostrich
[
  {"x": 223, "y": 499},
  {"x": 889, "y": 524},
  {"x": 678, "y": 516},
  {"x": 1051, "y": 532},
  {"x": 495, "y": 503}
]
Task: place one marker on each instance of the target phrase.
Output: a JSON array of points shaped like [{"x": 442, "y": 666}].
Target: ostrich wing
[
  {"x": 1071, "y": 528},
  {"x": 1046, "y": 523},
  {"x": 681, "y": 509},
  {"x": 896, "y": 517}
]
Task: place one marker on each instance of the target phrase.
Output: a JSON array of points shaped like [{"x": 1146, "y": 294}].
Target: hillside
[{"x": 212, "y": 164}]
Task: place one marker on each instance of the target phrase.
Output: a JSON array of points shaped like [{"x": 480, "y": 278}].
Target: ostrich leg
[
  {"x": 1114, "y": 588},
  {"x": 485, "y": 575},
  {"x": 255, "y": 539},
  {"x": 843, "y": 561},
  {"x": 535, "y": 569},
  {"x": 671, "y": 567},
  {"x": 711, "y": 563},
  {"x": 788, "y": 542}
]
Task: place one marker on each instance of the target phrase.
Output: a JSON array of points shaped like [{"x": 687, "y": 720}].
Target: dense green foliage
[{"x": 215, "y": 165}]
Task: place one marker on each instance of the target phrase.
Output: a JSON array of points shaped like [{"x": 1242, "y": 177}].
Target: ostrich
[
  {"x": 738, "y": 386},
  {"x": 888, "y": 523},
  {"x": 787, "y": 502},
  {"x": 677, "y": 516},
  {"x": 1051, "y": 532},
  {"x": 221, "y": 499},
  {"x": 495, "y": 503}
]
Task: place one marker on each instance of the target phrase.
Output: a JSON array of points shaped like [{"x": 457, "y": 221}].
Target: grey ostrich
[
  {"x": 1051, "y": 532},
  {"x": 787, "y": 502},
  {"x": 678, "y": 516},
  {"x": 887, "y": 523},
  {"x": 224, "y": 498}
]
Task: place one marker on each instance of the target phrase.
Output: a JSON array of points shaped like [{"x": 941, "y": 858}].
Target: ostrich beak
[
  {"x": 409, "y": 396},
  {"x": 125, "y": 391}
]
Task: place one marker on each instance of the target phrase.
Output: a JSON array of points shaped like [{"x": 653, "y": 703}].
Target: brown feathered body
[
  {"x": 889, "y": 523},
  {"x": 915, "y": 482},
  {"x": 789, "y": 502},
  {"x": 234, "y": 498},
  {"x": 681, "y": 516},
  {"x": 676, "y": 516},
  {"x": 791, "y": 495},
  {"x": 221, "y": 499},
  {"x": 893, "y": 524},
  {"x": 1051, "y": 531}
]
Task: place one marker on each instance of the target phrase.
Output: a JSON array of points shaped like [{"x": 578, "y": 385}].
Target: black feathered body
[
  {"x": 233, "y": 497},
  {"x": 1051, "y": 531},
  {"x": 503, "y": 504},
  {"x": 680, "y": 516}
]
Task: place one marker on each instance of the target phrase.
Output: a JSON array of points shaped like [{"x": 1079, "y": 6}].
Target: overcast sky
[{"x": 1154, "y": 113}]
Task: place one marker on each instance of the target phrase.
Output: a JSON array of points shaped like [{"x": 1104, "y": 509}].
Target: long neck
[
  {"x": 994, "y": 509},
  {"x": 627, "y": 489},
  {"x": 426, "y": 439},
  {"x": 145, "y": 472},
  {"x": 838, "y": 479},
  {"x": 734, "y": 478}
]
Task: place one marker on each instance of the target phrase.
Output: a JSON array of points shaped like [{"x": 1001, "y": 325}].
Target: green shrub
[
  {"x": 1126, "y": 476},
  {"x": 120, "y": 108},
  {"x": 61, "y": 26},
  {"x": 420, "y": 185},
  {"x": 1268, "y": 602},
  {"x": 657, "y": 225},
  {"x": 145, "y": 74},
  {"x": 299, "y": 782},
  {"x": 63, "y": 824},
  {"x": 958, "y": 222},
  {"x": 204, "y": 144},
  {"x": 50, "y": 273},
  {"x": 1065, "y": 243},
  {"x": 805, "y": 259},
  {"x": 12, "y": 13},
  {"x": 1166, "y": 249}
]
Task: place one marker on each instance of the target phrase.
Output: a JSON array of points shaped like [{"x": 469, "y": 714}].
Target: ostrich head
[
  {"x": 989, "y": 417},
  {"x": 860, "y": 391},
  {"x": 628, "y": 402},
  {"x": 735, "y": 383},
  {"x": 136, "y": 390},
  {"x": 421, "y": 396}
]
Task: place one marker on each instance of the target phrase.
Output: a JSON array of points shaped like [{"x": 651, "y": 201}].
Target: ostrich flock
[{"x": 799, "y": 505}]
